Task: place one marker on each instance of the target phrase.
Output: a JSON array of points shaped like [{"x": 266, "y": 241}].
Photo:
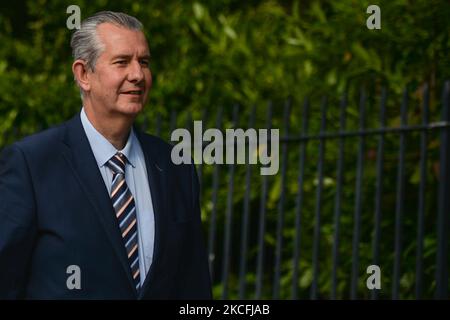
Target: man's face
[{"x": 121, "y": 80}]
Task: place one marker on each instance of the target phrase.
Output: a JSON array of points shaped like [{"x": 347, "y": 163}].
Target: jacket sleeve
[
  {"x": 194, "y": 280},
  {"x": 17, "y": 222}
]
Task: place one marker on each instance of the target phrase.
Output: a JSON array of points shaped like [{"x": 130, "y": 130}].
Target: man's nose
[{"x": 135, "y": 74}]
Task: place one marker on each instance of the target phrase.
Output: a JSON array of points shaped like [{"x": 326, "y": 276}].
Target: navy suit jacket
[{"x": 55, "y": 211}]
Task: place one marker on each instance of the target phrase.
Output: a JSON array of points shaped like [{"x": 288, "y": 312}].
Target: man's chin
[{"x": 131, "y": 108}]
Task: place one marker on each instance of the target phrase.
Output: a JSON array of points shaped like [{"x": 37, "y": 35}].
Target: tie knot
[{"x": 117, "y": 163}]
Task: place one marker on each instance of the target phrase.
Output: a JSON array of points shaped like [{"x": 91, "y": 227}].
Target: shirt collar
[{"x": 103, "y": 150}]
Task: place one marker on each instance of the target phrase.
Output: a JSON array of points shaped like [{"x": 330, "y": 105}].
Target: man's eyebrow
[{"x": 128, "y": 56}]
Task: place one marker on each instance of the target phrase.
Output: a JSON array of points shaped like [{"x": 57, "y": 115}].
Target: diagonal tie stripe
[
  {"x": 119, "y": 185},
  {"x": 125, "y": 208},
  {"x": 124, "y": 204}
]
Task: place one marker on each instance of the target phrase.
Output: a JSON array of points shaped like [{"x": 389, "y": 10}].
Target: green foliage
[{"x": 208, "y": 54}]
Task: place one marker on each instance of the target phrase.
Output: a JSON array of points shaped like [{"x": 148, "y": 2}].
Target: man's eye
[
  {"x": 121, "y": 62},
  {"x": 145, "y": 62}
]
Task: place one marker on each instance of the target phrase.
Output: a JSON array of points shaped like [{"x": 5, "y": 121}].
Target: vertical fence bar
[
  {"x": 337, "y": 200},
  {"x": 379, "y": 187},
  {"x": 215, "y": 192},
  {"x": 262, "y": 219},
  {"x": 400, "y": 198},
  {"x": 280, "y": 213},
  {"x": 316, "y": 240},
  {"x": 229, "y": 218},
  {"x": 299, "y": 201},
  {"x": 443, "y": 205},
  {"x": 245, "y": 216},
  {"x": 422, "y": 188},
  {"x": 358, "y": 197}
]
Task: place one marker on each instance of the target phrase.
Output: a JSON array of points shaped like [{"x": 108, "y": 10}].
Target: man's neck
[{"x": 115, "y": 129}]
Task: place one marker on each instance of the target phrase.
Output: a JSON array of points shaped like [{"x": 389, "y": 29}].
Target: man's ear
[{"x": 80, "y": 72}]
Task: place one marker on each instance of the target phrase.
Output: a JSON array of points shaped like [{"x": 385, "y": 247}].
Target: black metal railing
[{"x": 382, "y": 135}]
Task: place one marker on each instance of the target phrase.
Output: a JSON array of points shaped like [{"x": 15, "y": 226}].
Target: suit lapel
[
  {"x": 157, "y": 174},
  {"x": 82, "y": 161}
]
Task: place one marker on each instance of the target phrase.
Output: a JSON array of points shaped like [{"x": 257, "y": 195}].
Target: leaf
[{"x": 199, "y": 11}]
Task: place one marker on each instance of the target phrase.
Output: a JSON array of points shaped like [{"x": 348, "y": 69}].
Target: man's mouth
[{"x": 133, "y": 92}]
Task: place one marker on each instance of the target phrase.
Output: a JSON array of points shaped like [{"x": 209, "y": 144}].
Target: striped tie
[{"x": 124, "y": 206}]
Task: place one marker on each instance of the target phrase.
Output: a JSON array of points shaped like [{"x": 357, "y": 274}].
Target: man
[{"x": 95, "y": 209}]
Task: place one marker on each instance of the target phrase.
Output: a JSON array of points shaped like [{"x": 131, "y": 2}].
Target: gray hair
[{"x": 85, "y": 43}]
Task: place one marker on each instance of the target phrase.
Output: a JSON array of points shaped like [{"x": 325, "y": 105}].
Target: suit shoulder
[{"x": 42, "y": 140}]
